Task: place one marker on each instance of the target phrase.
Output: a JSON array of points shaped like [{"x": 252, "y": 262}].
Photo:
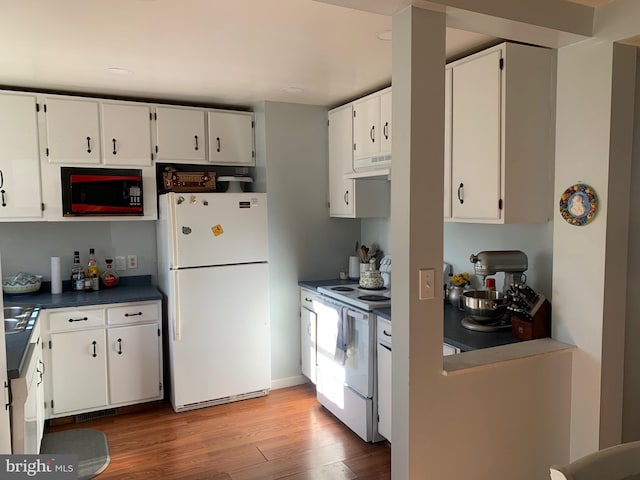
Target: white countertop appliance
[
  {"x": 211, "y": 248},
  {"x": 346, "y": 358}
]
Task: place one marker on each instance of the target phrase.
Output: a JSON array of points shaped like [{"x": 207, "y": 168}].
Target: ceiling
[{"x": 216, "y": 52}]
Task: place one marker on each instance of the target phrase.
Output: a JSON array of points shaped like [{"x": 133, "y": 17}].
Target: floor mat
[{"x": 89, "y": 445}]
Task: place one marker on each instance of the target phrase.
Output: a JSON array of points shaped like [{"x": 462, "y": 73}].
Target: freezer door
[
  {"x": 222, "y": 348},
  {"x": 217, "y": 228}
]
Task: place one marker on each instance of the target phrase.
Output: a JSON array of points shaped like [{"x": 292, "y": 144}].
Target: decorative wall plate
[{"x": 579, "y": 204}]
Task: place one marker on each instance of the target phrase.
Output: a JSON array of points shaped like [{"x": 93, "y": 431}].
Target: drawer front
[
  {"x": 133, "y": 313},
  {"x": 307, "y": 297},
  {"x": 384, "y": 330},
  {"x": 75, "y": 319}
]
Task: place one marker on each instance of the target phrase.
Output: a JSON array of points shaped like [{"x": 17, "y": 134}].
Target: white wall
[
  {"x": 593, "y": 145},
  {"x": 631, "y": 412},
  {"x": 508, "y": 421},
  {"x": 29, "y": 246},
  {"x": 304, "y": 242}
]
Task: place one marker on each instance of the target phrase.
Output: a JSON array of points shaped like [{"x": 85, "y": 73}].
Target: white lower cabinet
[
  {"x": 308, "y": 317},
  {"x": 78, "y": 370},
  {"x": 383, "y": 350},
  {"x": 133, "y": 363},
  {"x": 449, "y": 349},
  {"x": 27, "y": 405},
  {"x": 102, "y": 356}
]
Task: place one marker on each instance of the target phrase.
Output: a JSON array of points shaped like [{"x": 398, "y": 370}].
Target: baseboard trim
[{"x": 288, "y": 382}]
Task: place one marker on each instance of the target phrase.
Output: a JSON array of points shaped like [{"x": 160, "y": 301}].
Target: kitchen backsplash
[
  {"x": 29, "y": 246},
  {"x": 463, "y": 239}
]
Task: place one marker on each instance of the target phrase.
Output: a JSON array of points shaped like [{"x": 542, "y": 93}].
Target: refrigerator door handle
[
  {"x": 176, "y": 308},
  {"x": 173, "y": 229}
]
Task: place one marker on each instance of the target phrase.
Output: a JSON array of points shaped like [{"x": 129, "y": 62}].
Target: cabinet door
[
  {"x": 73, "y": 133},
  {"x": 19, "y": 158},
  {"x": 384, "y": 390},
  {"x": 78, "y": 370},
  {"x": 126, "y": 134},
  {"x": 476, "y": 137},
  {"x": 308, "y": 342},
  {"x": 231, "y": 138},
  {"x": 341, "y": 190},
  {"x": 385, "y": 122},
  {"x": 134, "y": 363},
  {"x": 448, "y": 76},
  {"x": 180, "y": 135},
  {"x": 366, "y": 127}
]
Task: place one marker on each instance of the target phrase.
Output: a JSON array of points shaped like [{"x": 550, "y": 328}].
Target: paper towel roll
[
  {"x": 354, "y": 267},
  {"x": 56, "y": 279}
]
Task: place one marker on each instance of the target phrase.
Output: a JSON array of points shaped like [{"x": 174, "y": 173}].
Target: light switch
[
  {"x": 121, "y": 263},
  {"x": 427, "y": 282}
]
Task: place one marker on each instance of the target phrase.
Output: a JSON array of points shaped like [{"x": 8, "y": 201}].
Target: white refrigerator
[{"x": 213, "y": 270}]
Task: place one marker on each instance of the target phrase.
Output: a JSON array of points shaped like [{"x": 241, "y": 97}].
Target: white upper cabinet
[
  {"x": 180, "y": 135},
  {"x": 19, "y": 158},
  {"x": 231, "y": 138},
  {"x": 372, "y": 130},
  {"x": 126, "y": 134},
  {"x": 73, "y": 130},
  {"x": 341, "y": 200},
  {"x": 350, "y": 197},
  {"x": 448, "y": 76},
  {"x": 501, "y": 136}
]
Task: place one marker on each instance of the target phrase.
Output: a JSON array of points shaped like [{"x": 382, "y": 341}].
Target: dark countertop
[
  {"x": 130, "y": 289},
  {"x": 315, "y": 284},
  {"x": 458, "y": 336},
  {"x": 454, "y": 333}
]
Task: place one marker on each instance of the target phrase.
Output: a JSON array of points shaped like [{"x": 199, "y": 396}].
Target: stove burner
[
  {"x": 500, "y": 324},
  {"x": 342, "y": 289},
  {"x": 371, "y": 288},
  {"x": 374, "y": 298}
]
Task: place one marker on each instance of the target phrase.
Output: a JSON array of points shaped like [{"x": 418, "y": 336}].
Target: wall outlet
[
  {"x": 427, "y": 280},
  {"x": 132, "y": 261},
  {"x": 121, "y": 263}
]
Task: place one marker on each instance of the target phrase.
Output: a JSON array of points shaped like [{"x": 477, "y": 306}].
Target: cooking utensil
[{"x": 485, "y": 306}]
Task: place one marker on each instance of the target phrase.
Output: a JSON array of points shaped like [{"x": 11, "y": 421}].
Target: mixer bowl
[{"x": 484, "y": 306}]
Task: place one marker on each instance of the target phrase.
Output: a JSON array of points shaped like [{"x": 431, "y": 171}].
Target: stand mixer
[{"x": 512, "y": 263}]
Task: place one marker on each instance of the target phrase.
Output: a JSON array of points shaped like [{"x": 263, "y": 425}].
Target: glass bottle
[
  {"x": 109, "y": 276},
  {"x": 77, "y": 273},
  {"x": 93, "y": 274}
]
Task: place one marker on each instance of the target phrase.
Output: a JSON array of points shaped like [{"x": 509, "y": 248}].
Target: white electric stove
[{"x": 359, "y": 297}]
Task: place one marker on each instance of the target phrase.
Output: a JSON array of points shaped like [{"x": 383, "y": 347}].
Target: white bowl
[{"x": 21, "y": 284}]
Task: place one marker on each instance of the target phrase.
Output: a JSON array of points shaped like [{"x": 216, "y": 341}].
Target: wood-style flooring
[{"x": 286, "y": 434}]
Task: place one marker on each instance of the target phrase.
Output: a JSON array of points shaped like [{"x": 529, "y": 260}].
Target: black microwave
[{"x": 101, "y": 191}]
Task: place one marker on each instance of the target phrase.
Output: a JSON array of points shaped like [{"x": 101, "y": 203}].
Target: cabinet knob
[
  {"x": 1, "y": 179},
  {"x": 372, "y": 134},
  {"x": 88, "y": 144},
  {"x": 218, "y": 142},
  {"x": 114, "y": 146},
  {"x": 346, "y": 197},
  {"x": 95, "y": 354},
  {"x": 385, "y": 130},
  {"x": 196, "y": 147},
  {"x": 461, "y": 193},
  {"x": 119, "y": 346},
  {"x": 4, "y": 199}
]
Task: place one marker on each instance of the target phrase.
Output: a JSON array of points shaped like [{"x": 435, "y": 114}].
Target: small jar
[{"x": 455, "y": 296}]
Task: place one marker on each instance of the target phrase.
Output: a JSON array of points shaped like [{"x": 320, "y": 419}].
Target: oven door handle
[{"x": 358, "y": 315}]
